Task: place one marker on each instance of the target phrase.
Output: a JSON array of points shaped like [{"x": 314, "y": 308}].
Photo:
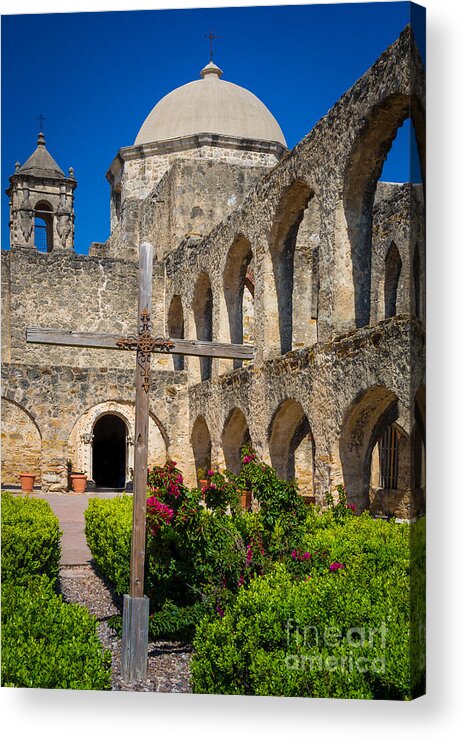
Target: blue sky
[{"x": 96, "y": 76}]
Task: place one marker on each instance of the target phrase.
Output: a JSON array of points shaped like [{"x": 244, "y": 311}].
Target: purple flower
[{"x": 294, "y": 554}]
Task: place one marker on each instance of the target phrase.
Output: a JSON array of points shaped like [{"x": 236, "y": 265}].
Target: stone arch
[
  {"x": 282, "y": 246},
  {"x": 239, "y": 290},
  {"x": 392, "y": 270},
  {"x": 201, "y": 445},
  {"x": 81, "y": 437},
  {"x": 365, "y": 420},
  {"x": 176, "y": 327},
  {"x": 202, "y": 305},
  {"x": 234, "y": 436},
  {"x": 43, "y": 226},
  {"x": 361, "y": 175},
  {"x": 21, "y": 444},
  {"x": 291, "y": 445}
]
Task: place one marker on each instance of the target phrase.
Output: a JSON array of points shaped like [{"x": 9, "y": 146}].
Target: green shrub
[
  {"x": 108, "y": 533},
  {"x": 47, "y": 643},
  {"x": 282, "y": 509},
  {"x": 30, "y": 538},
  {"x": 279, "y": 636}
]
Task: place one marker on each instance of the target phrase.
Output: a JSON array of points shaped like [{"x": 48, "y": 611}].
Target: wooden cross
[
  {"x": 211, "y": 36},
  {"x": 135, "y": 604}
]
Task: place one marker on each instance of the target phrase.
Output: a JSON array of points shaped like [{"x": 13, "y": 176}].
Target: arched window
[
  {"x": 176, "y": 327},
  {"x": 43, "y": 227},
  {"x": 239, "y": 291},
  {"x": 203, "y": 316},
  {"x": 365, "y": 167},
  {"x": 392, "y": 269},
  {"x": 201, "y": 445},
  {"x": 292, "y": 447},
  {"x": 235, "y": 435},
  {"x": 283, "y": 240}
]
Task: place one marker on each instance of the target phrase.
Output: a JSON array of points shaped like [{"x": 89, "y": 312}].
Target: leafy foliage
[
  {"x": 30, "y": 538},
  {"x": 253, "y": 586},
  {"x": 289, "y": 636},
  {"x": 108, "y": 532},
  {"x": 47, "y": 643}
]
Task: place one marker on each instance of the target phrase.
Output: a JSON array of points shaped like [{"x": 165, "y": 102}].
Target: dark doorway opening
[{"x": 109, "y": 452}]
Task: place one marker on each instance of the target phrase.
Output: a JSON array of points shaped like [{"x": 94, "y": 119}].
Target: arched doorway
[{"x": 109, "y": 452}]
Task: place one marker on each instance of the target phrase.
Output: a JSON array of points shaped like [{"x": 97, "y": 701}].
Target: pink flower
[
  {"x": 352, "y": 507},
  {"x": 336, "y": 566},
  {"x": 210, "y": 473},
  {"x": 248, "y": 458},
  {"x": 294, "y": 554}
]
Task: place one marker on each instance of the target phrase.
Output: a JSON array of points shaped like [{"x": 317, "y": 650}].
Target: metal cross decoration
[
  {"x": 41, "y": 120},
  {"x": 145, "y": 344},
  {"x": 211, "y": 36},
  {"x": 135, "y": 604}
]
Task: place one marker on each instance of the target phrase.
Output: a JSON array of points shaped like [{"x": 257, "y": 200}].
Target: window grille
[{"x": 389, "y": 459}]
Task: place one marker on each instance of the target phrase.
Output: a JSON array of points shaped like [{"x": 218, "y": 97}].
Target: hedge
[
  {"x": 30, "y": 538},
  {"x": 108, "y": 533},
  {"x": 302, "y": 636},
  {"x": 47, "y": 643}
]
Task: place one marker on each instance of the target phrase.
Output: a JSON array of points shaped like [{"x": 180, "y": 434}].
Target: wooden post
[{"x": 136, "y": 606}]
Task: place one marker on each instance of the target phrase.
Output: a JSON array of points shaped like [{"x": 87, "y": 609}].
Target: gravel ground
[{"x": 168, "y": 662}]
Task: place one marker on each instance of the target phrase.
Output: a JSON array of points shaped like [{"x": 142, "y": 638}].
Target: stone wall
[
  {"x": 190, "y": 199},
  {"x": 56, "y": 398},
  {"x": 71, "y": 292}
]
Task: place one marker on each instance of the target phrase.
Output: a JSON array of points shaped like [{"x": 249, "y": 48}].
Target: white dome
[{"x": 213, "y": 106}]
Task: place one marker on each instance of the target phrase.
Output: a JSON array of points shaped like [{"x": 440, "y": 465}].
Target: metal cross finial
[
  {"x": 211, "y": 36},
  {"x": 41, "y": 120}
]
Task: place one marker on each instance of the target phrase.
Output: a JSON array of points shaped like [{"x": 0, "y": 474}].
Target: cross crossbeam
[{"x": 94, "y": 340}]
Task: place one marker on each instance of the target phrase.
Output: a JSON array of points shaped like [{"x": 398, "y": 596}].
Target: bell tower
[{"x": 41, "y": 203}]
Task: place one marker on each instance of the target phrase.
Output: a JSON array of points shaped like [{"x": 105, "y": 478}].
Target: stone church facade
[{"x": 300, "y": 253}]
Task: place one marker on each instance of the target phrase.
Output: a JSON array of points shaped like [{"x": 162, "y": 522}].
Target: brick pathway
[{"x": 69, "y": 509}]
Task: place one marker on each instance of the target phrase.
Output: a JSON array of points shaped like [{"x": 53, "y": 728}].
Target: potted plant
[
  {"x": 27, "y": 482},
  {"x": 246, "y": 500},
  {"x": 202, "y": 478},
  {"x": 78, "y": 482}
]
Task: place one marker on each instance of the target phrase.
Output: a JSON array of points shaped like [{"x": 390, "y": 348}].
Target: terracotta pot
[
  {"x": 246, "y": 500},
  {"x": 203, "y": 483},
  {"x": 78, "y": 482},
  {"x": 27, "y": 482}
]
